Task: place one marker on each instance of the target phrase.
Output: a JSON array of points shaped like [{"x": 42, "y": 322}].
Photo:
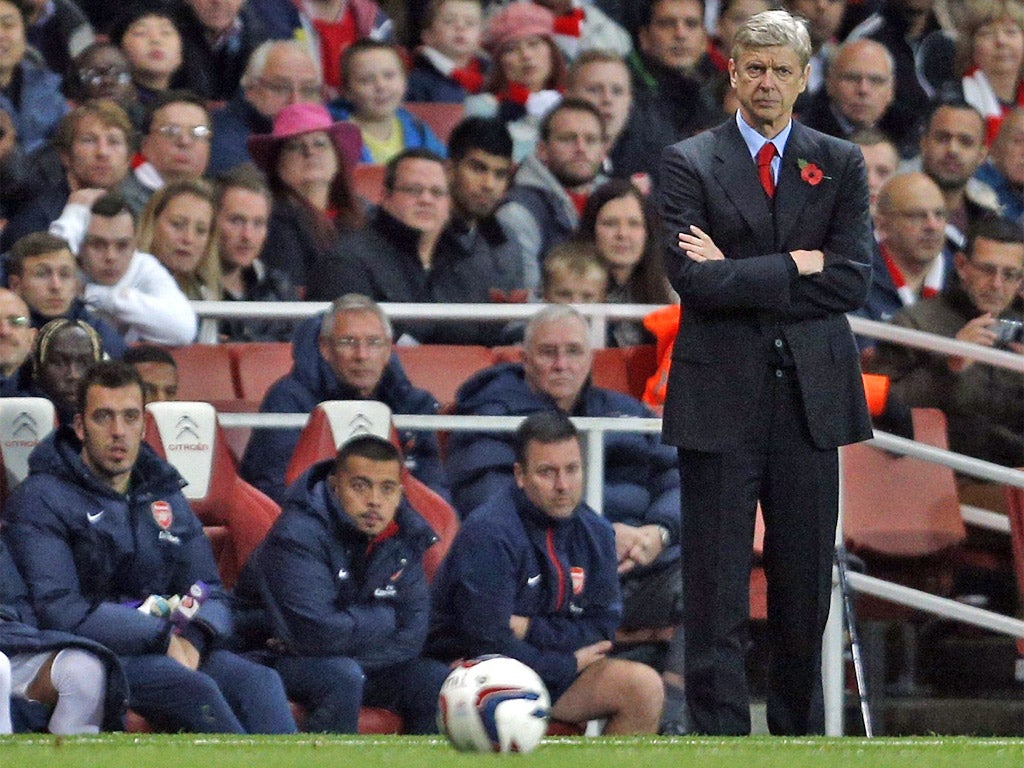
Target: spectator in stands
[
  {"x": 1003, "y": 171},
  {"x": 63, "y": 351},
  {"x": 177, "y": 227},
  {"x": 331, "y": 26},
  {"x": 551, "y": 186},
  {"x": 59, "y": 31},
  {"x": 43, "y": 272},
  {"x": 90, "y": 552},
  {"x": 157, "y": 370},
  {"x": 881, "y": 159},
  {"x": 343, "y": 593},
  {"x": 515, "y": 549},
  {"x": 101, "y": 71},
  {"x": 858, "y": 95},
  {"x": 217, "y": 39},
  {"x": 990, "y": 58},
  {"x": 732, "y": 14},
  {"x": 984, "y": 406},
  {"x": 16, "y": 188},
  {"x": 620, "y": 221},
  {"x": 448, "y": 66},
  {"x": 581, "y": 26},
  {"x": 91, "y": 150},
  {"x": 637, "y": 131},
  {"x": 409, "y": 252},
  {"x": 573, "y": 273},
  {"x": 29, "y": 92},
  {"x": 175, "y": 142},
  {"x": 307, "y": 158},
  {"x": 243, "y": 204},
  {"x": 673, "y": 67},
  {"x": 823, "y": 20},
  {"x": 641, "y": 481},
  {"x": 374, "y": 87},
  {"x": 124, "y": 286},
  {"x": 343, "y": 354},
  {"x": 901, "y": 26},
  {"x": 910, "y": 263},
  {"x": 149, "y": 37},
  {"x": 77, "y": 684},
  {"x": 16, "y": 339},
  {"x": 279, "y": 73},
  {"x": 952, "y": 149},
  {"x": 528, "y": 75}
]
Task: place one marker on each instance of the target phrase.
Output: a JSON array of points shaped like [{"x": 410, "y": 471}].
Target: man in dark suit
[{"x": 765, "y": 383}]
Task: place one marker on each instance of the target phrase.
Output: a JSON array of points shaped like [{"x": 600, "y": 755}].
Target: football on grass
[{"x": 493, "y": 704}]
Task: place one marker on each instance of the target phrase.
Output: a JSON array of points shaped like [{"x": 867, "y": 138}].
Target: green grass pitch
[{"x": 188, "y": 751}]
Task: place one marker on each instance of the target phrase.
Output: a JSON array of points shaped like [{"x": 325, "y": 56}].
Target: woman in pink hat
[
  {"x": 529, "y": 72},
  {"x": 307, "y": 158}
]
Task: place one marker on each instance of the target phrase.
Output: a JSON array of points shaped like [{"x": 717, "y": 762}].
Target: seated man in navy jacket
[
  {"x": 104, "y": 538},
  {"x": 344, "y": 354},
  {"x": 532, "y": 575},
  {"x": 344, "y": 598}
]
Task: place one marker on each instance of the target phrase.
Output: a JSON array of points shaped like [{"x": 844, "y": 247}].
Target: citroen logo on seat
[
  {"x": 186, "y": 426},
  {"x": 24, "y": 426},
  {"x": 360, "y": 424}
]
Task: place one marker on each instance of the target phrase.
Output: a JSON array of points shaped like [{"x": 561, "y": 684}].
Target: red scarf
[
  {"x": 469, "y": 77},
  {"x": 571, "y": 23}
]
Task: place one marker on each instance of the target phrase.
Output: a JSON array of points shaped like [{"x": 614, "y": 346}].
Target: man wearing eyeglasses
[
  {"x": 984, "y": 405},
  {"x": 279, "y": 73},
  {"x": 552, "y": 184},
  {"x": 344, "y": 354},
  {"x": 16, "y": 338},
  {"x": 176, "y": 140}
]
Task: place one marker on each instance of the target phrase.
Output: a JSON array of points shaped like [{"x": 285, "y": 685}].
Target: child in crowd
[
  {"x": 447, "y": 66},
  {"x": 574, "y": 273},
  {"x": 374, "y": 85},
  {"x": 148, "y": 36}
]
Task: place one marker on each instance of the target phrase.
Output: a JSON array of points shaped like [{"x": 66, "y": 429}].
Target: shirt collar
[{"x": 755, "y": 140}]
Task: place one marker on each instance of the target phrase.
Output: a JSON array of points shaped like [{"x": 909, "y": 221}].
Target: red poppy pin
[{"x": 810, "y": 172}]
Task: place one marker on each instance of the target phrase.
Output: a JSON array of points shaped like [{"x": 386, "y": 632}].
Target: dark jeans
[
  {"x": 227, "y": 694},
  {"x": 333, "y": 688}
]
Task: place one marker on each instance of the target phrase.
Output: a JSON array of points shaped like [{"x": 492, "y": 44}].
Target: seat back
[
  {"x": 441, "y": 117},
  {"x": 205, "y": 373},
  {"x": 257, "y": 365},
  {"x": 1015, "y": 509},
  {"x": 24, "y": 421},
  {"x": 332, "y": 423},
  {"x": 442, "y": 368},
  {"x": 368, "y": 181},
  {"x": 235, "y": 515},
  {"x": 898, "y": 506},
  {"x": 624, "y": 369}
]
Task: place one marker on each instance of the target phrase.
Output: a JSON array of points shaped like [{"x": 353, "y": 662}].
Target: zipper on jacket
[{"x": 553, "y": 556}]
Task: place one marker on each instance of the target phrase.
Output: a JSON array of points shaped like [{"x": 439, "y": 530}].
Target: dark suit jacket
[{"x": 735, "y": 308}]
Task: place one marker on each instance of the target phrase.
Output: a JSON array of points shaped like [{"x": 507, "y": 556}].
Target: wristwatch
[{"x": 666, "y": 536}]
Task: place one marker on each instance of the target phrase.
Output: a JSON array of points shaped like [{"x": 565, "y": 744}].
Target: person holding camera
[{"x": 984, "y": 405}]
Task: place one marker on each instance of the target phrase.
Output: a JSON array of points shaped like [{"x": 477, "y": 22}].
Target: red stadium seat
[
  {"x": 205, "y": 373},
  {"x": 442, "y": 368},
  {"x": 235, "y": 515},
  {"x": 24, "y": 421},
  {"x": 624, "y": 369},
  {"x": 1015, "y": 508},
  {"x": 368, "y": 181},
  {"x": 442, "y": 118},
  {"x": 257, "y": 365}
]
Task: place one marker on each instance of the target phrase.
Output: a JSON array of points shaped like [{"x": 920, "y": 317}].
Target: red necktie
[{"x": 764, "y": 168}]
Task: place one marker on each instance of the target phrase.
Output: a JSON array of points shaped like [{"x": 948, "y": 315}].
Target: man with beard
[{"x": 552, "y": 184}]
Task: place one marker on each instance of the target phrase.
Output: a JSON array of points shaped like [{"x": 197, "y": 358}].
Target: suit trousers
[{"x": 777, "y": 463}]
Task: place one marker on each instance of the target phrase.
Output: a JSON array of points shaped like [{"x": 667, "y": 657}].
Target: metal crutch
[{"x": 842, "y": 557}]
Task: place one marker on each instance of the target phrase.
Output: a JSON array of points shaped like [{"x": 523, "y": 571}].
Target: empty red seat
[
  {"x": 205, "y": 373},
  {"x": 257, "y": 365},
  {"x": 442, "y": 368},
  {"x": 441, "y": 117}
]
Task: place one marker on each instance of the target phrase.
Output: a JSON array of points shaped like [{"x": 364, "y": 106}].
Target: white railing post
[
  {"x": 593, "y": 439},
  {"x": 832, "y": 666}
]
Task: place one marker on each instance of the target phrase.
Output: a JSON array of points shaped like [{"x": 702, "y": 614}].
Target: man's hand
[
  {"x": 520, "y": 625},
  {"x": 808, "y": 262},
  {"x": 183, "y": 652},
  {"x": 588, "y": 654},
  {"x": 977, "y": 331},
  {"x": 699, "y": 246},
  {"x": 636, "y": 545}
]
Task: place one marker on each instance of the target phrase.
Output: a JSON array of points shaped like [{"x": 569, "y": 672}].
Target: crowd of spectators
[{"x": 154, "y": 152}]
